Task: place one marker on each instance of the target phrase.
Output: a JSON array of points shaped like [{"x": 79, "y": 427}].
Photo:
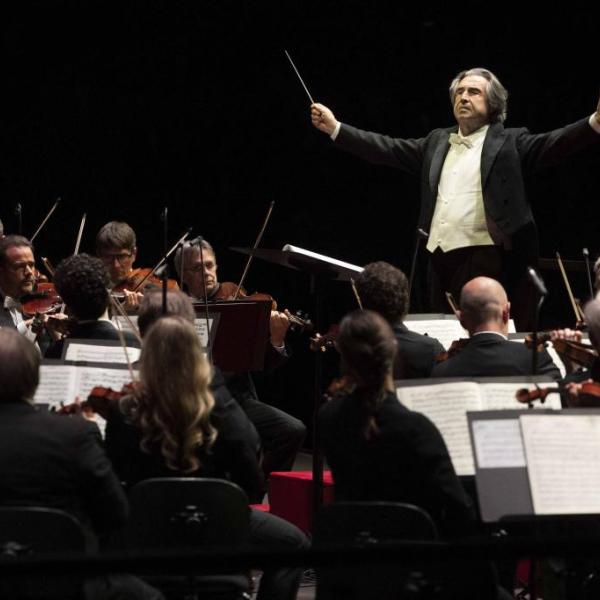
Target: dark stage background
[{"x": 122, "y": 108}]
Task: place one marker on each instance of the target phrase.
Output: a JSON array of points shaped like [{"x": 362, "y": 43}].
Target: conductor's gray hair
[{"x": 496, "y": 93}]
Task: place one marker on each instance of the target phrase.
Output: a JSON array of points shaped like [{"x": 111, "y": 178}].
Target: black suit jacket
[
  {"x": 57, "y": 461},
  {"x": 416, "y": 353},
  {"x": 5, "y": 316},
  {"x": 407, "y": 461},
  {"x": 506, "y": 156},
  {"x": 95, "y": 330},
  {"x": 490, "y": 355}
]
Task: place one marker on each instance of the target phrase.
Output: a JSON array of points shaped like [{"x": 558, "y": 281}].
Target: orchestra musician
[
  {"x": 376, "y": 447},
  {"x": 166, "y": 429},
  {"x": 281, "y": 434},
  {"x": 473, "y": 200},
  {"x": 17, "y": 278},
  {"x": 383, "y": 288},
  {"x": 484, "y": 313},
  {"x": 116, "y": 247},
  {"x": 82, "y": 283}
]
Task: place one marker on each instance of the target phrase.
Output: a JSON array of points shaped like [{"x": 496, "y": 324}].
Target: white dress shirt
[{"x": 15, "y": 309}]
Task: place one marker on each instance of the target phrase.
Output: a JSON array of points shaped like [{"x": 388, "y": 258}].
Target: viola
[
  {"x": 228, "y": 290},
  {"x": 142, "y": 279}
]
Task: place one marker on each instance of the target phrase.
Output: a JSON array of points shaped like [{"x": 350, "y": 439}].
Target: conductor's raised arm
[{"x": 322, "y": 118}]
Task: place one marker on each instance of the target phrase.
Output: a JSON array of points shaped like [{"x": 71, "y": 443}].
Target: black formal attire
[
  {"x": 405, "y": 461},
  {"x": 490, "y": 355},
  {"x": 416, "y": 354},
  {"x": 55, "y": 461},
  {"x": 229, "y": 458},
  {"x": 92, "y": 330},
  {"x": 507, "y": 155},
  {"x": 280, "y": 433}
]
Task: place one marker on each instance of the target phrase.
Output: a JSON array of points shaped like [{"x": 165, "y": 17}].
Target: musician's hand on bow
[
  {"x": 573, "y": 335},
  {"x": 278, "y": 326},
  {"x": 132, "y": 299},
  {"x": 322, "y": 118}
]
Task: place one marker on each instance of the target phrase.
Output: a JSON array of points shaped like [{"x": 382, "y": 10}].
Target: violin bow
[
  {"x": 163, "y": 259},
  {"x": 260, "y": 234},
  {"x": 579, "y": 317},
  {"x": 37, "y": 231},
  {"x": 79, "y": 235},
  {"x": 452, "y": 304},
  {"x": 118, "y": 308},
  {"x": 586, "y": 257},
  {"x": 353, "y": 284},
  {"x": 122, "y": 338}
]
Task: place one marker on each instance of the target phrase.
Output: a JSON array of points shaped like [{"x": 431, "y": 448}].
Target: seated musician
[
  {"x": 166, "y": 429},
  {"x": 54, "y": 461},
  {"x": 17, "y": 278},
  {"x": 82, "y": 283},
  {"x": 484, "y": 313},
  {"x": 384, "y": 288},
  {"x": 378, "y": 449},
  {"x": 281, "y": 434},
  {"x": 116, "y": 248},
  {"x": 227, "y": 415}
]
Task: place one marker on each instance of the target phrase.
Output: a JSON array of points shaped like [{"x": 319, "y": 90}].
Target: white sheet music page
[
  {"x": 498, "y": 444},
  {"x": 446, "y": 405},
  {"x": 202, "y": 330},
  {"x": 89, "y": 377},
  {"x": 563, "y": 459},
  {"x": 100, "y": 353},
  {"x": 57, "y": 384},
  {"x": 498, "y": 396},
  {"x": 444, "y": 330}
]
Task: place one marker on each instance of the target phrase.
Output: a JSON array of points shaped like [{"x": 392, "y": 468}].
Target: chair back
[
  {"x": 187, "y": 512},
  {"x": 30, "y": 531}
]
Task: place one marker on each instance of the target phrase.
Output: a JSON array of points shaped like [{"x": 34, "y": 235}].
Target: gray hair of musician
[
  {"x": 190, "y": 250},
  {"x": 151, "y": 308},
  {"x": 591, "y": 312},
  {"x": 19, "y": 367},
  {"x": 496, "y": 93}
]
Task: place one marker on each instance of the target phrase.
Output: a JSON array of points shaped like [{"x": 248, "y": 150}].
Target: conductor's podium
[{"x": 290, "y": 496}]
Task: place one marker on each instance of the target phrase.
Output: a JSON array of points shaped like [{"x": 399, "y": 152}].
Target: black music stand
[
  {"x": 239, "y": 333},
  {"x": 320, "y": 268}
]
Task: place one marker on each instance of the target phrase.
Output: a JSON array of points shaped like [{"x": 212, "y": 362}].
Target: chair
[
  {"x": 190, "y": 513},
  {"x": 363, "y": 524},
  {"x": 28, "y": 531}
]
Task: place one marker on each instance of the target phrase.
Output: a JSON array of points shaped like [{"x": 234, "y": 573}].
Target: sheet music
[
  {"x": 100, "y": 353},
  {"x": 57, "y": 384},
  {"x": 446, "y": 405},
  {"x": 445, "y": 330},
  {"x": 498, "y": 444},
  {"x": 121, "y": 322},
  {"x": 201, "y": 329},
  {"x": 63, "y": 383},
  {"x": 563, "y": 458}
]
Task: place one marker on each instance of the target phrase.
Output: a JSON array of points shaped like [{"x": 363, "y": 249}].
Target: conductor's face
[{"x": 470, "y": 103}]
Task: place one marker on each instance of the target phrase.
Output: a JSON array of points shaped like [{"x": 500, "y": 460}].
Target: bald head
[{"x": 484, "y": 306}]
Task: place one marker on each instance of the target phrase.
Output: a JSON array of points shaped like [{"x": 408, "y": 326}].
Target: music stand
[
  {"x": 320, "y": 268},
  {"x": 239, "y": 333}
]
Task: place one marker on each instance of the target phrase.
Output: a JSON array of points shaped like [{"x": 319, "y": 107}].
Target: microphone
[{"x": 537, "y": 281}]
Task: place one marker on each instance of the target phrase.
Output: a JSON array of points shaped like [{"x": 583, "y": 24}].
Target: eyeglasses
[{"x": 122, "y": 258}]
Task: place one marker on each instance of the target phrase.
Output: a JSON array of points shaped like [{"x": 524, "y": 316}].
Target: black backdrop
[{"x": 122, "y": 108}]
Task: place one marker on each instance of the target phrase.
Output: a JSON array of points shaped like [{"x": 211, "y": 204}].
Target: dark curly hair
[
  {"x": 82, "y": 282},
  {"x": 384, "y": 289}
]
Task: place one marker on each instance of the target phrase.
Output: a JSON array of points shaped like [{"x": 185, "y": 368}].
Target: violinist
[
  {"x": 281, "y": 434},
  {"x": 17, "y": 278},
  {"x": 484, "y": 313},
  {"x": 116, "y": 248},
  {"x": 82, "y": 282},
  {"x": 384, "y": 289}
]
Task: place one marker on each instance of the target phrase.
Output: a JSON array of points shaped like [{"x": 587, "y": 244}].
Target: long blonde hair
[{"x": 174, "y": 401}]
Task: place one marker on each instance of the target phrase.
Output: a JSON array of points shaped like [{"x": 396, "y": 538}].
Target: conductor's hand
[{"x": 322, "y": 118}]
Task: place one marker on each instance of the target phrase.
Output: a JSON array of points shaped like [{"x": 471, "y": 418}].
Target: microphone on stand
[
  {"x": 540, "y": 286},
  {"x": 420, "y": 234}
]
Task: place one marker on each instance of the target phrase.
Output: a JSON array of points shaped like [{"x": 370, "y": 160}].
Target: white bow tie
[{"x": 456, "y": 140}]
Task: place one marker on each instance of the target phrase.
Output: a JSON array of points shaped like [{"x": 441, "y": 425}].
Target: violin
[
  {"x": 228, "y": 290},
  {"x": 104, "y": 399},
  {"x": 577, "y": 352},
  {"x": 588, "y": 396},
  {"x": 43, "y": 300},
  {"x": 141, "y": 279}
]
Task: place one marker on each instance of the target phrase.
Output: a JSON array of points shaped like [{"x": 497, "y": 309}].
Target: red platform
[{"x": 290, "y": 496}]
